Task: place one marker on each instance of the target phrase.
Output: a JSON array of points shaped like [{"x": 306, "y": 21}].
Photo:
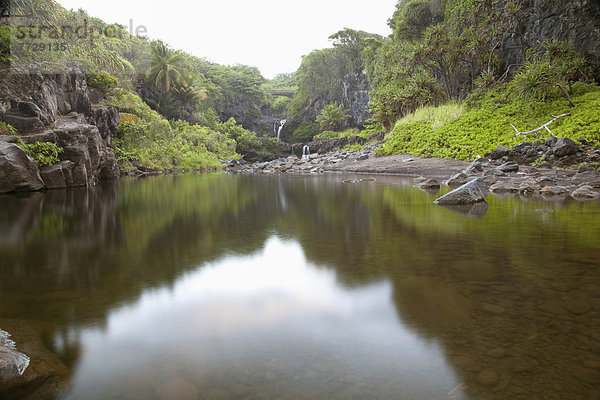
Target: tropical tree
[
  {"x": 165, "y": 66},
  {"x": 332, "y": 116},
  {"x": 163, "y": 102},
  {"x": 189, "y": 96}
]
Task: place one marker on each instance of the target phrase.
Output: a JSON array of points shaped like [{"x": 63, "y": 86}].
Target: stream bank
[{"x": 566, "y": 169}]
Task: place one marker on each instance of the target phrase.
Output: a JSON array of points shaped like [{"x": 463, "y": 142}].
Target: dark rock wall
[
  {"x": 542, "y": 20},
  {"x": 55, "y": 107}
]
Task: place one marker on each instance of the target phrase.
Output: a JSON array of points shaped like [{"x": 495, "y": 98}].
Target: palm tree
[
  {"x": 163, "y": 102},
  {"x": 165, "y": 66},
  {"x": 187, "y": 97}
]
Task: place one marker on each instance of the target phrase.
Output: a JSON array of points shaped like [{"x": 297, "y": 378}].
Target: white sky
[{"x": 269, "y": 34}]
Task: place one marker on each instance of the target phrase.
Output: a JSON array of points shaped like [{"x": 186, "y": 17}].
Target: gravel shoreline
[{"x": 502, "y": 176}]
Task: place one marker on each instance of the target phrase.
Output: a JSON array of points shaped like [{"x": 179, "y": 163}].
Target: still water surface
[{"x": 254, "y": 287}]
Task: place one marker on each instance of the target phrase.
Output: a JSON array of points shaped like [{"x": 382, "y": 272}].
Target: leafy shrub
[
  {"x": 534, "y": 80},
  {"x": 280, "y": 105},
  {"x": 305, "y": 132},
  {"x": 558, "y": 66},
  {"x": 126, "y": 117},
  {"x": 101, "y": 81},
  {"x": 328, "y": 135},
  {"x": 44, "y": 153}
]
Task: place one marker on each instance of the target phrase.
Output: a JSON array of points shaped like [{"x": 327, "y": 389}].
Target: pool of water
[{"x": 290, "y": 287}]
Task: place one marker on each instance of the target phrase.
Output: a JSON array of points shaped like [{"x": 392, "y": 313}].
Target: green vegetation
[
  {"x": 332, "y": 116},
  {"x": 323, "y": 73},
  {"x": 552, "y": 71},
  {"x": 455, "y": 131},
  {"x": 154, "y": 85},
  {"x": 101, "y": 81},
  {"x": 438, "y": 85},
  {"x": 144, "y": 135},
  {"x": 338, "y": 134},
  {"x": 306, "y": 131},
  {"x": 7, "y": 129},
  {"x": 44, "y": 153}
]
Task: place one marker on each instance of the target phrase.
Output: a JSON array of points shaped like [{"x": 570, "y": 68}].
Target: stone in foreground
[
  {"x": 472, "y": 192},
  {"x": 18, "y": 172}
]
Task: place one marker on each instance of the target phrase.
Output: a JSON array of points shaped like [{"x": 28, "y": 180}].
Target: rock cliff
[
  {"x": 55, "y": 107},
  {"x": 541, "y": 20}
]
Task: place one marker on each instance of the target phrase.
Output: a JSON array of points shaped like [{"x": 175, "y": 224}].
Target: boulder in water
[{"x": 469, "y": 193}]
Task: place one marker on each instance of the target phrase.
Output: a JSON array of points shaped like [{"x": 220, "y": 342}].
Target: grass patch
[{"x": 436, "y": 116}]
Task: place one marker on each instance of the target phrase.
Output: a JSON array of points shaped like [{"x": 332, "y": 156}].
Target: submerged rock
[
  {"x": 585, "y": 192},
  {"x": 487, "y": 377},
  {"x": 472, "y": 192},
  {"x": 45, "y": 377},
  {"x": 429, "y": 184}
]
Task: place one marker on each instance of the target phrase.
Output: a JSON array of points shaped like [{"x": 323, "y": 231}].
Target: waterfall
[
  {"x": 281, "y": 124},
  {"x": 305, "y": 152}
]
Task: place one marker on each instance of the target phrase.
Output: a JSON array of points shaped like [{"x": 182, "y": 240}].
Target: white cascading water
[
  {"x": 281, "y": 124},
  {"x": 305, "y": 152}
]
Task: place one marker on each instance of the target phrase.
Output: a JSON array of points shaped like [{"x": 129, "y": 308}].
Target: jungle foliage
[
  {"x": 173, "y": 103},
  {"x": 442, "y": 88}
]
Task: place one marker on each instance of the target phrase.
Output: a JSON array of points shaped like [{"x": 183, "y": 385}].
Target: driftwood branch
[{"x": 545, "y": 126}]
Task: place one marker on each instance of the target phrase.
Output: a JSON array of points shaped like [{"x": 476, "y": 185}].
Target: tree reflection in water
[{"x": 510, "y": 296}]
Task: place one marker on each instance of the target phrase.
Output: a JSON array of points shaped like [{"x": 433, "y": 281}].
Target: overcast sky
[{"x": 269, "y": 34}]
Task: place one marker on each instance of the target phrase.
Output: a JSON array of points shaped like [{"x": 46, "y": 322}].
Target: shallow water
[{"x": 290, "y": 287}]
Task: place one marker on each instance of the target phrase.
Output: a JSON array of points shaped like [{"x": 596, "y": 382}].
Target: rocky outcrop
[
  {"x": 353, "y": 94},
  {"x": 356, "y": 98},
  {"x": 457, "y": 180},
  {"x": 55, "y": 107},
  {"x": 553, "y": 151},
  {"x": 472, "y": 192},
  {"x": 563, "y": 168},
  {"x": 18, "y": 172}
]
